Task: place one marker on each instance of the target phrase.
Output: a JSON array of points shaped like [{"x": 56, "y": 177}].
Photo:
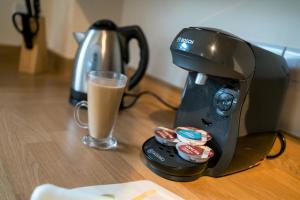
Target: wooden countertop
[{"x": 40, "y": 143}]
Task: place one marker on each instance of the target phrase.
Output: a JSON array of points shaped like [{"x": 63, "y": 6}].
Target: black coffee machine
[{"x": 234, "y": 90}]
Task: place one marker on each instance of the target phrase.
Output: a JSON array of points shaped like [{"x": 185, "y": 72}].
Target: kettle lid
[{"x": 104, "y": 24}]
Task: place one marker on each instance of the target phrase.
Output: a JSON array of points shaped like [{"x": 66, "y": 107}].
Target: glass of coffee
[{"x": 104, "y": 94}]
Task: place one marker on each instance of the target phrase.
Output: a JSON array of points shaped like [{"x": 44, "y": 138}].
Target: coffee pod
[
  {"x": 197, "y": 154},
  {"x": 192, "y": 136},
  {"x": 165, "y": 136}
]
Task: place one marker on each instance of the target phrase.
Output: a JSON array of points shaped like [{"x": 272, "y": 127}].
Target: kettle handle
[{"x": 135, "y": 32}]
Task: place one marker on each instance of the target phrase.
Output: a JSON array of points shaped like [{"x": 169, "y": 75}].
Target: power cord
[
  {"x": 282, "y": 140},
  {"x": 138, "y": 95}
]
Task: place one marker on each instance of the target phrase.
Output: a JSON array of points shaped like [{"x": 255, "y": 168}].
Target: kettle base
[{"x": 76, "y": 97}]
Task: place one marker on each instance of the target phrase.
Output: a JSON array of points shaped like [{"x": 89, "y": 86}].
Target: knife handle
[
  {"x": 29, "y": 9},
  {"x": 15, "y": 18},
  {"x": 37, "y": 8},
  {"x": 26, "y": 31}
]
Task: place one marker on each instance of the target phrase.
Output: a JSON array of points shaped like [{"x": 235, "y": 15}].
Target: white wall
[
  {"x": 58, "y": 15},
  {"x": 8, "y": 35},
  {"x": 63, "y": 17},
  {"x": 68, "y": 16}
]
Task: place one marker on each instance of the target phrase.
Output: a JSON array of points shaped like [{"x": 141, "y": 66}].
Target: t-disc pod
[
  {"x": 192, "y": 136},
  {"x": 198, "y": 154},
  {"x": 165, "y": 136}
]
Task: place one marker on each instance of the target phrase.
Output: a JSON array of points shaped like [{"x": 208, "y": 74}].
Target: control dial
[{"x": 225, "y": 101}]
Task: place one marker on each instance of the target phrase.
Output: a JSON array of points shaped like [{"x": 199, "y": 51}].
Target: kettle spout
[{"x": 79, "y": 36}]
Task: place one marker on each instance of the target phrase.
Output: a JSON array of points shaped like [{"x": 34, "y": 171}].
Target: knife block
[{"x": 34, "y": 61}]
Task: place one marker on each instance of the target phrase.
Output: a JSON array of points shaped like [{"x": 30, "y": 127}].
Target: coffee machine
[{"x": 234, "y": 90}]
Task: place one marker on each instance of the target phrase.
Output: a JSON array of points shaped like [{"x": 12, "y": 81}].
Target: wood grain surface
[
  {"x": 35, "y": 60},
  {"x": 40, "y": 143}
]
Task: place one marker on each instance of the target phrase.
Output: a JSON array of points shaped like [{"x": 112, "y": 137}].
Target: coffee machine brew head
[
  {"x": 213, "y": 52},
  {"x": 200, "y": 79}
]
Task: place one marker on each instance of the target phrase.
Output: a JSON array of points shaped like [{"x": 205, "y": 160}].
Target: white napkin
[
  {"x": 52, "y": 192},
  {"x": 138, "y": 190}
]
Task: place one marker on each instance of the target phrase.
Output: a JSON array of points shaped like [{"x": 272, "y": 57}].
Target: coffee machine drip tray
[{"x": 165, "y": 161}]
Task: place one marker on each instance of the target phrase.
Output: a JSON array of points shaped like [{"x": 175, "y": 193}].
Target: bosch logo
[
  {"x": 185, "y": 40},
  {"x": 157, "y": 155}
]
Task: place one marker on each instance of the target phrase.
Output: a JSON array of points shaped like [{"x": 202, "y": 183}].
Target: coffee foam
[{"x": 107, "y": 82}]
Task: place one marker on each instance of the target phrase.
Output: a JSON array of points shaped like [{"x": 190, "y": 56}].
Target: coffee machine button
[{"x": 224, "y": 101}]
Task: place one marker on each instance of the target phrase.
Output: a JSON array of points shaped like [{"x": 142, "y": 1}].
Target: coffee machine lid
[
  {"x": 213, "y": 52},
  {"x": 218, "y": 31}
]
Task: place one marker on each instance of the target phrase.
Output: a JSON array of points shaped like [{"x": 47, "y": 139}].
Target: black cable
[
  {"x": 137, "y": 96},
  {"x": 282, "y": 140}
]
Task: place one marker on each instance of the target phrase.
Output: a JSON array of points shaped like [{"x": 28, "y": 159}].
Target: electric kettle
[{"x": 106, "y": 47}]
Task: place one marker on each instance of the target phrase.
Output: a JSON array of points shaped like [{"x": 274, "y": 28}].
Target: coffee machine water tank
[{"x": 234, "y": 90}]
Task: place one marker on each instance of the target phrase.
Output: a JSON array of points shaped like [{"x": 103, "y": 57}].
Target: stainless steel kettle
[{"x": 105, "y": 47}]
